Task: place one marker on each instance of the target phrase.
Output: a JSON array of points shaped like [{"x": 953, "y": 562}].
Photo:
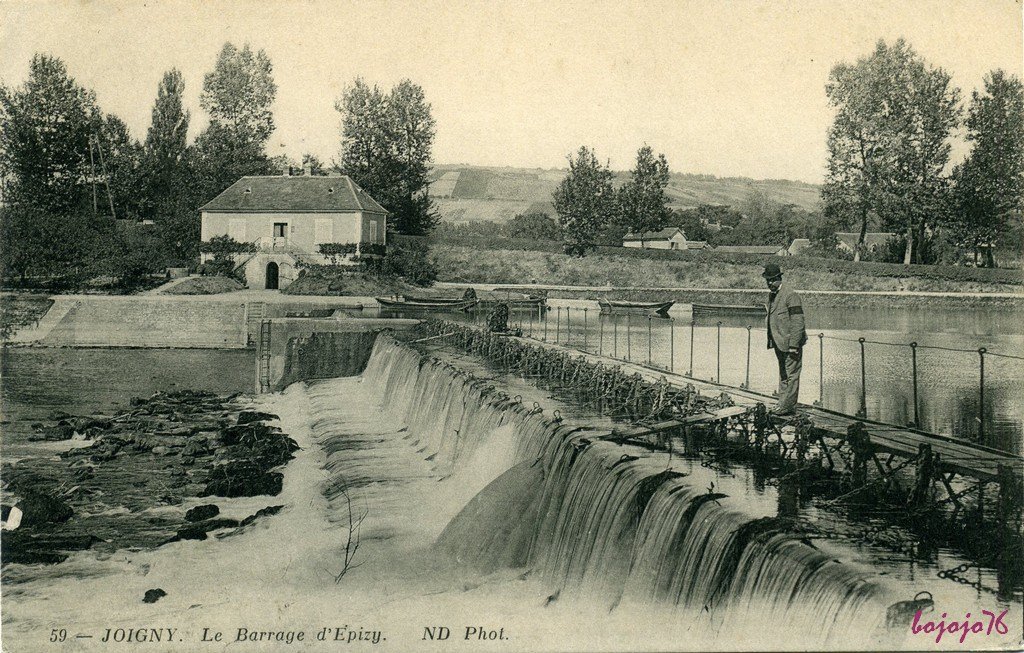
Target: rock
[
  {"x": 38, "y": 508},
  {"x": 153, "y": 595},
  {"x": 61, "y": 431},
  {"x": 242, "y": 478},
  {"x": 217, "y": 524},
  {"x": 262, "y": 512},
  {"x": 11, "y": 517},
  {"x": 247, "y": 416},
  {"x": 191, "y": 533},
  {"x": 195, "y": 447},
  {"x": 27, "y": 548},
  {"x": 199, "y": 513},
  {"x": 161, "y": 451}
]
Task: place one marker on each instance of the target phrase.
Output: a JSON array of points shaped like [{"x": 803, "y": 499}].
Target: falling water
[{"x": 592, "y": 519}]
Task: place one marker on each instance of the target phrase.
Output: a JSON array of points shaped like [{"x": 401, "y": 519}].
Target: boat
[
  {"x": 745, "y": 310},
  {"x": 433, "y": 301},
  {"x": 422, "y": 304},
  {"x": 514, "y": 300},
  {"x": 650, "y": 308}
]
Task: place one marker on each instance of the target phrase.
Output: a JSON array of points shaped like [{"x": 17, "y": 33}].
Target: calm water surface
[{"x": 948, "y": 381}]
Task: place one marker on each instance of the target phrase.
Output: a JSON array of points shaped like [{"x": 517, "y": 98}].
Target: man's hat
[{"x": 771, "y": 271}]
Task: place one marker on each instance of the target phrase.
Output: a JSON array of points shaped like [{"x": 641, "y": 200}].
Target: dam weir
[{"x": 623, "y": 529}]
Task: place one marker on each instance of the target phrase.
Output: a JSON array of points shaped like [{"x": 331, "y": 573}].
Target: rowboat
[
  {"x": 425, "y": 304},
  {"x": 651, "y": 308},
  {"x": 744, "y": 310},
  {"x": 489, "y": 299},
  {"x": 433, "y": 301}
]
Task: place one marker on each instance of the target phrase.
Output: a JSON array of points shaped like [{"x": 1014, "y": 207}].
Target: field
[
  {"x": 633, "y": 268},
  {"x": 473, "y": 193}
]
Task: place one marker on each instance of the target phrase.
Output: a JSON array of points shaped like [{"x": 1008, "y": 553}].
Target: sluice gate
[{"x": 922, "y": 481}]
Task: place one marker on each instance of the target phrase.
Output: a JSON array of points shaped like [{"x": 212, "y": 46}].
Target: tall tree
[
  {"x": 238, "y": 95},
  {"x": 584, "y": 200},
  {"x": 989, "y": 184},
  {"x": 45, "y": 137},
  {"x": 167, "y": 160},
  {"x": 167, "y": 138},
  {"x": 888, "y": 145},
  {"x": 641, "y": 201},
  {"x": 386, "y": 148}
]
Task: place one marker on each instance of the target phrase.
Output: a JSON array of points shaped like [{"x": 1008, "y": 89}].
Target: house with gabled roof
[
  {"x": 667, "y": 238},
  {"x": 287, "y": 218}
]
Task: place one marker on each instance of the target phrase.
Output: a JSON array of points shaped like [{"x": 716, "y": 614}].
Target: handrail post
[
  {"x": 863, "y": 412},
  {"x": 672, "y": 344},
  {"x": 821, "y": 369},
  {"x": 693, "y": 325},
  {"x": 568, "y": 327},
  {"x": 981, "y": 394},
  {"x": 913, "y": 365},
  {"x": 558, "y": 325},
  {"x": 600, "y": 334},
  {"x": 546, "y": 314},
  {"x": 629, "y": 337},
  {"x": 650, "y": 321},
  {"x": 615, "y": 336},
  {"x": 530, "y": 323},
  {"x": 584, "y": 328},
  {"x": 746, "y": 382},
  {"x": 718, "y": 355}
]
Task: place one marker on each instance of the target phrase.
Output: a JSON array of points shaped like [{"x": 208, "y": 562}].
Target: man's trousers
[{"x": 789, "y": 379}]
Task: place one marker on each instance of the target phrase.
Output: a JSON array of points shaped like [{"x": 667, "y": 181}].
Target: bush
[
  {"x": 224, "y": 249},
  {"x": 409, "y": 260}
]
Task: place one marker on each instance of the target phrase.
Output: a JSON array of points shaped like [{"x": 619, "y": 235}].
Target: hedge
[{"x": 871, "y": 268}]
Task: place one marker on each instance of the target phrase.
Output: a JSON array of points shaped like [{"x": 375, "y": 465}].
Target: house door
[{"x": 272, "y": 276}]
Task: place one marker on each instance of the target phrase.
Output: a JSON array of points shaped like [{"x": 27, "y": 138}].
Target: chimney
[
  {"x": 286, "y": 170},
  {"x": 307, "y": 169}
]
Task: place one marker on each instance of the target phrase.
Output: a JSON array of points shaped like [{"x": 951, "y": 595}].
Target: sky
[{"x": 724, "y": 88}]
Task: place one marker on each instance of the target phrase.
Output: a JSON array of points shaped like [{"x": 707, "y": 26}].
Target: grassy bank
[{"x": 471, "y": 265}]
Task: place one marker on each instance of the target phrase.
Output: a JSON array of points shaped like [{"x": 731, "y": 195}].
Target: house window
[
  {"x": 280, "y": 229},
  {"x": 371, "y": 231}
]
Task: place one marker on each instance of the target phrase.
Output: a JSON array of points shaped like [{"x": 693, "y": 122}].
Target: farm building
[
  {"x": 798, "y": 245},
  {"x": 873, "y": 240},
  {"x": 287, "y": 218},
  {"x": 667, "y": 238}
]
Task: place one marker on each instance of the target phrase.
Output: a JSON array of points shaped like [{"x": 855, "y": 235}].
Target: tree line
[
  {"x": 888, "y": 169},
  {"x": 75, "y": 183},
  {"x": 889, "y": 153}
]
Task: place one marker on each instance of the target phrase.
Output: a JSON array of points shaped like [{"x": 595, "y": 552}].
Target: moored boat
[
  {"x": 422, "y": 304},
  {"x": 620, "y": 306}
]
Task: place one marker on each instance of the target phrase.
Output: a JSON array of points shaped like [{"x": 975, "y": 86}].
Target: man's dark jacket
[{"x": 786, "y": 320}]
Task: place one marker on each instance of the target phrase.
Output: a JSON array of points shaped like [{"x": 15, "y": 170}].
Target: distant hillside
[{"x": 470, "y": 193}]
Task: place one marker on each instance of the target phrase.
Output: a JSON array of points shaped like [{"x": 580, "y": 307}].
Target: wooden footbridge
[{"x": 919, "y": 470}]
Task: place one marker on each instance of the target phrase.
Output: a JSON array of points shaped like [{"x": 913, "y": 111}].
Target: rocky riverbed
[{"x": 131, "y": 479}]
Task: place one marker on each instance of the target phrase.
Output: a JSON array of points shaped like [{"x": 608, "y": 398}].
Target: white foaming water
[{"x": 600, "y": 526}]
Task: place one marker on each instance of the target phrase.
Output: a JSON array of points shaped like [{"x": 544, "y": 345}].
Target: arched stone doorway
[{"x": 272, "y": 274}]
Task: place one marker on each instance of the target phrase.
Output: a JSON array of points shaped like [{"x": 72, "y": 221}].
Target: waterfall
[{"x": 594, "y": 520}]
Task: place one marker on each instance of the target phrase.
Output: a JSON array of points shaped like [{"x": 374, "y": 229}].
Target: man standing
[{"x": 786, "y": 335}]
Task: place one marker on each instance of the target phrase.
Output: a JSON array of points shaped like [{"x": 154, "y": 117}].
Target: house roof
[
  {"x": 750, "y": 249},
  {"x": 667, "y": 232},
  {"x": 798, "y": 245},
  {"x": 282, "y": 194},
  {"x": 871, "y": 238}
]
